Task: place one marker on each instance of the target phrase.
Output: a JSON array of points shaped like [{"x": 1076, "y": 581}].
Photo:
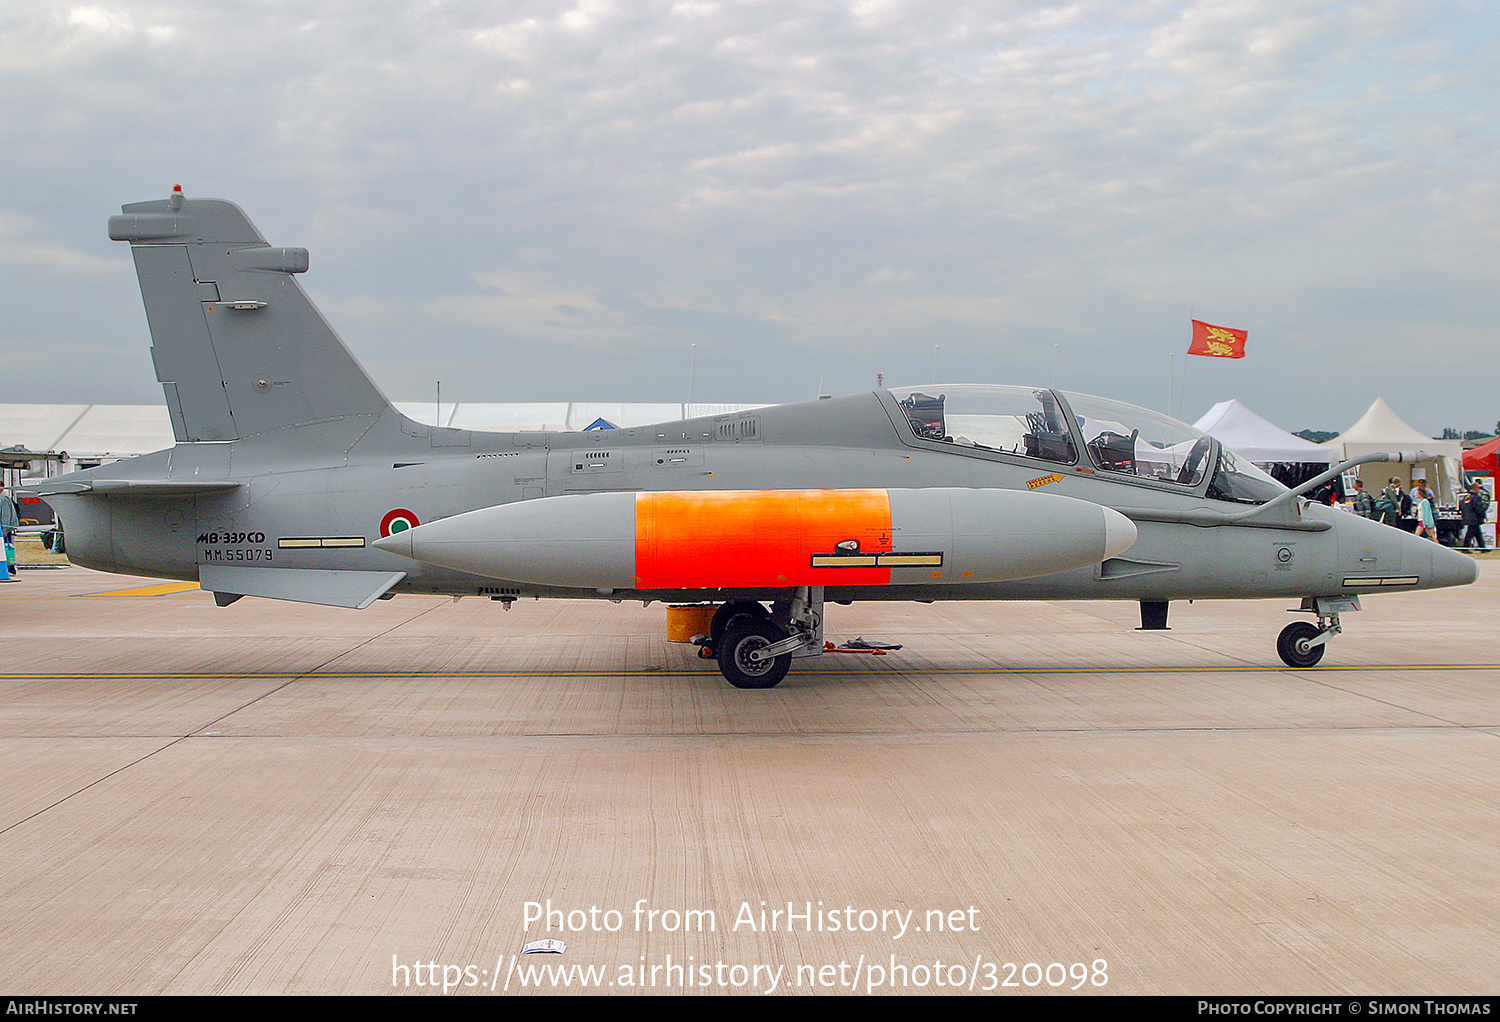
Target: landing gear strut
[{"x": 755, "y": 647}]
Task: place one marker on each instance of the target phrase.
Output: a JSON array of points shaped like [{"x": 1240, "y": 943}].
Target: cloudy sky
[{"x": 536, "y": 201}]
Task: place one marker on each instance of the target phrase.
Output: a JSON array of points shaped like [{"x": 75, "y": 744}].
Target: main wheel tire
[
  {"x": 743, "y": 636},
  {"x": 727, "y": 613},
  {"x": 1292, "y": 644}
]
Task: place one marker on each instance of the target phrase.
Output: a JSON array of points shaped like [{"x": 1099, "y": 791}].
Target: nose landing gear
[{"x": 1301, "y": 643}]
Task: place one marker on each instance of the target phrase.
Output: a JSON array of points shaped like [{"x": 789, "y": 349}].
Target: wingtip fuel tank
[{"x": 772, "y": 538}]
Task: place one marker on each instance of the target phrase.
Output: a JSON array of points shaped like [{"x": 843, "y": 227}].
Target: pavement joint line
[
  {"x": 195, "y": 732},
  {"x": 96, "y": 781},
  {"x": 1330, "y": 686},
  {"x": 313, "y": 673}
]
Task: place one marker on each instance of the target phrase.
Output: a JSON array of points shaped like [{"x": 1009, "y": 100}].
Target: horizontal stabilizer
[
  {"x": 332, "y": 588},
  {"x": 131, "y": 487}
]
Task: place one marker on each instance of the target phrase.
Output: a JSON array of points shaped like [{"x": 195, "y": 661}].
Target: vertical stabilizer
[{"x": 239, "y": 349}]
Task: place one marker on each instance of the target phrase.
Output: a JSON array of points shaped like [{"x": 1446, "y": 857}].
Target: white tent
[
  {"x": 90, "y": 433},
  {"x": 1262, "y": 442},
  {"x": 1381, "y": 429}
]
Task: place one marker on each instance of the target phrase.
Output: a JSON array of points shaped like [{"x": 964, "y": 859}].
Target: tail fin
[{"x": 239, "y": 349}]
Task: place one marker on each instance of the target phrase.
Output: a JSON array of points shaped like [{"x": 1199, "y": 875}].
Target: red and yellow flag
[{"x": 1218, "y": 341}]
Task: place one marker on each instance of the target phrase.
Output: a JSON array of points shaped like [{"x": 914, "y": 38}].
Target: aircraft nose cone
[
  {"x": 396, "y": 543},
  {"x": 1119, "y": 533},
  {"x": 1451, "y": 568}
]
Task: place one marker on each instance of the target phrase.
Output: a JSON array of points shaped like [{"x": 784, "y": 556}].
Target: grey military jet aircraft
[{"x": 294, "y": 478}]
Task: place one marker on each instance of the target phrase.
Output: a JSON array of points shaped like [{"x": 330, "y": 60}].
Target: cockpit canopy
[
  {"x": 1119, "y": 441},
  {"x": 1016, "y": 420}
]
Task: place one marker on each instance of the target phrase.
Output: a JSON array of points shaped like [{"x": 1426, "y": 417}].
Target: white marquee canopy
[{"x": 1262, "y": 442}]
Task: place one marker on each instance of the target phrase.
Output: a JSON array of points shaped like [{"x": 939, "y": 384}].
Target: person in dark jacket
[
  {"x": 1389, "y": 504},
  {"x": 1472, "y": 509}
]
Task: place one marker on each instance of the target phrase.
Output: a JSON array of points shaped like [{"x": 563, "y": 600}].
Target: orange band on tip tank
[{"x": 757, "y": 538}]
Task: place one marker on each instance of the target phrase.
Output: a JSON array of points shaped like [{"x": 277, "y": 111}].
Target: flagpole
[
  {"x": 1182, "y": 394},
  {"x": 1182, "y": 390},
  {"x": 1171, "y": 379}
]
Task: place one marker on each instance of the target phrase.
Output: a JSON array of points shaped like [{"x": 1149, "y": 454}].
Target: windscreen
[
  {"x": 1239, "y": 480},
  {"x": 1138, "y": 442}
]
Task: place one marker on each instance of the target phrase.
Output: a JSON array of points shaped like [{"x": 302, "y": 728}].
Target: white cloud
[
  {"x": 24, "y": 242},
  {"x": 100, "y": 19}
]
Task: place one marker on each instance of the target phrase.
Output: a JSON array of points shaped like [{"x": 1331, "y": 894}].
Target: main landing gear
[
  {"x": 755, "y": 646},
  {"x": 1301, "y": 643}
]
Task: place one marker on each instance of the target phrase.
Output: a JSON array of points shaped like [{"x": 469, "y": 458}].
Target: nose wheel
[{"x": 1296, "y": 644}]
